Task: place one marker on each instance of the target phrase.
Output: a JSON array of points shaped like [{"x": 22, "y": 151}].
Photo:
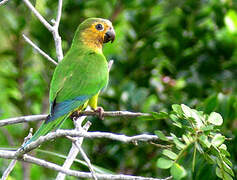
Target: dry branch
[
  {"x": 43, "y": 163},
  {"x": 39, "y": 50},
  {"x": 52, "y": 28},
  {"x": 13, "y": 162},
  {"x": 74, "y": 149},
  {"x": 22, "y": 119},
  {"x": 91, "y": 135},
  {"x": 3, "y": 2}
]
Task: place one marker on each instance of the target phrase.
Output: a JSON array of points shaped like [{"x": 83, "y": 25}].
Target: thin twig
[
  {"x": 59, "y": 13},
  {"x": 22, "y": 119},
  {"x": 3, "y": 2},
  {"x": 91, "y": 135},
  {"x": 83, "y": 154},
  {"x": 39, "y": 50},
  {"x": 74, "y": 150},
  {"x": 55, "y": 167},
  {"x": 9, "y": 169},
  {"x": 40, "y": 117},
  {"x": 13, "y": 162},
  {"x": 110, "y": 64},
  {"x": 52, "y": 28},
  {"x": 115, "y": 114},
  {"x": 38, "y": 15},
  {"x": 57, "y": 38}
]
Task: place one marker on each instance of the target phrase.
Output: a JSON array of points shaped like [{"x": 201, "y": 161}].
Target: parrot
[{"x": 80, "y": 76}]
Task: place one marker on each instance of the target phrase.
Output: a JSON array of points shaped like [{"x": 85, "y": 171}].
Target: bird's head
[{"x": 94, "y": 32}]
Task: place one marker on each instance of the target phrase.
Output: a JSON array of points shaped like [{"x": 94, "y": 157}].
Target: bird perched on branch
[{"x": 80, "y": 76}]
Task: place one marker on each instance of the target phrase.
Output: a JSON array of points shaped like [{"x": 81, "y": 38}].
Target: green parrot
[{"x": 80, "y": 76}]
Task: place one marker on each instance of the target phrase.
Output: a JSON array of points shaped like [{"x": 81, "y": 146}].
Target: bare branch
[
  {"x": 60, "y": 4},
  {"x": 110, "y": 64},
  {"x": 91, "y": 135},
  {"x": 57, "y": 38},
  {"x": 22, "y": 119},
  {"x": 40, "y": 162},
  {"x": 83, "y": 154},
  {"x": 38, "y": 15},
  {"x": 3, "y": 2},
  {"x": 58, "y": 45},
  {"x": 13, "y": 162},
  {"x": 39, "y": 50},
  {"x": 74, "y": 150},
  {"x": 115, "y": 114},
  {"x": 53, "y": 29},
  {"x": 9, "y": 169}
]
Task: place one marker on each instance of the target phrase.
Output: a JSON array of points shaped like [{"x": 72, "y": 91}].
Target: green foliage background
[{"x": 165, "y": 52}]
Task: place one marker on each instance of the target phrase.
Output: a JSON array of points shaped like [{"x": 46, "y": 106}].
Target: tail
[{"x": 46, "y": 127}]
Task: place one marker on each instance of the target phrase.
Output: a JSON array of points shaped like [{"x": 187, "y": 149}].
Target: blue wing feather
[{"x": 59, "y": 109}]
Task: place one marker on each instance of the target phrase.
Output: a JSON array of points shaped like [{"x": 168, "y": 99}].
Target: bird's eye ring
[{"x": 99, "y": 27}]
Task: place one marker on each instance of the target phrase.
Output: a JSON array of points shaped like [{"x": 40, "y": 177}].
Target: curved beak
[{"x": 109, "y": 35}]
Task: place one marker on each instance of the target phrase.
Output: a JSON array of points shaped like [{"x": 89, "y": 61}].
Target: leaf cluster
[{"x": 201, "y": 134}]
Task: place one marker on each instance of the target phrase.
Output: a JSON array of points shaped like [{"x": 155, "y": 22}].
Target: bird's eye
[{"x": 99, "y": 27}]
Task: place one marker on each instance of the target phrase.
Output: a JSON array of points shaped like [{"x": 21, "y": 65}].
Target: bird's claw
[
  {"x": 74, "y": 115},
  {"x": 100, "y": 112}
]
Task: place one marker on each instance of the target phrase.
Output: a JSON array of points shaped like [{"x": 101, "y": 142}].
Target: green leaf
[
  {"x": 227, "y": 161},
  {"x": 187, "y": 110},
  {"x": 199, "y": 148},
  {"x": 178, "y": 144},
  {"x": 185, "y": 138},
  {"x": 223, "y": 150},
  {"x": 207, "y": 128},
  {"x": 223, "y": 146},
  {"x": 191, "y": 113},
  {"x": 177, "y": 171},
  {"x": 160, "y": 115},
  {"x": 209, "y": 158},
  {"x": 218, "y": 140},
  {"x": 222, "y": 174},
  {"x": 218, "y": 172},
  {"x": 161, "y": 135},
  {"x": 228, "y": 169},
  {"x": 177, "y": 108},
  {"x": 170, "y": 154},
  {"x": 227, "y": 176},
  {"x": 176, "y": 120},
  {"x": 215, "y": 118},
  {"x": 164, "y": 163},
  {"x": 204, "y": 141}
]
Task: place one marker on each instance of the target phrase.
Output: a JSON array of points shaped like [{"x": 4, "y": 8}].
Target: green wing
[
  {"x": 76, "y": 79},
  {"x": 81, "y": 75}
]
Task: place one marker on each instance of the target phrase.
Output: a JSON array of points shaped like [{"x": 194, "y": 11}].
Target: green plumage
[{"x": 81, "y": 74}]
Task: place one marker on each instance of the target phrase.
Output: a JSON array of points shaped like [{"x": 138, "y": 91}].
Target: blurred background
[{"x": 165, "y": 52}]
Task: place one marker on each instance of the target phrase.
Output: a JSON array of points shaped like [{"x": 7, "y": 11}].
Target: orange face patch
[{"x": 94, "y": 36}]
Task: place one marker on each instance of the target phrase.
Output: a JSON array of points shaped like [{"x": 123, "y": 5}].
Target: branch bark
[
  {"x": 3, "y": 2},
  {"x": 55, "y": 167},
  {"x": 39, "y": 50},
  {"x": 91, "y": 135},
  {"x": 41, "y": 117},
  {"x": 52, "y": 28},
  {"x": 74, "y": 149},
  {"x": 13, "y": 162}
]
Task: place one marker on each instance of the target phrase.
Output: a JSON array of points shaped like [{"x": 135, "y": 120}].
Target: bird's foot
[
  {"x": 100, "y": 112},
  {"x": 75, "y": 115}
]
